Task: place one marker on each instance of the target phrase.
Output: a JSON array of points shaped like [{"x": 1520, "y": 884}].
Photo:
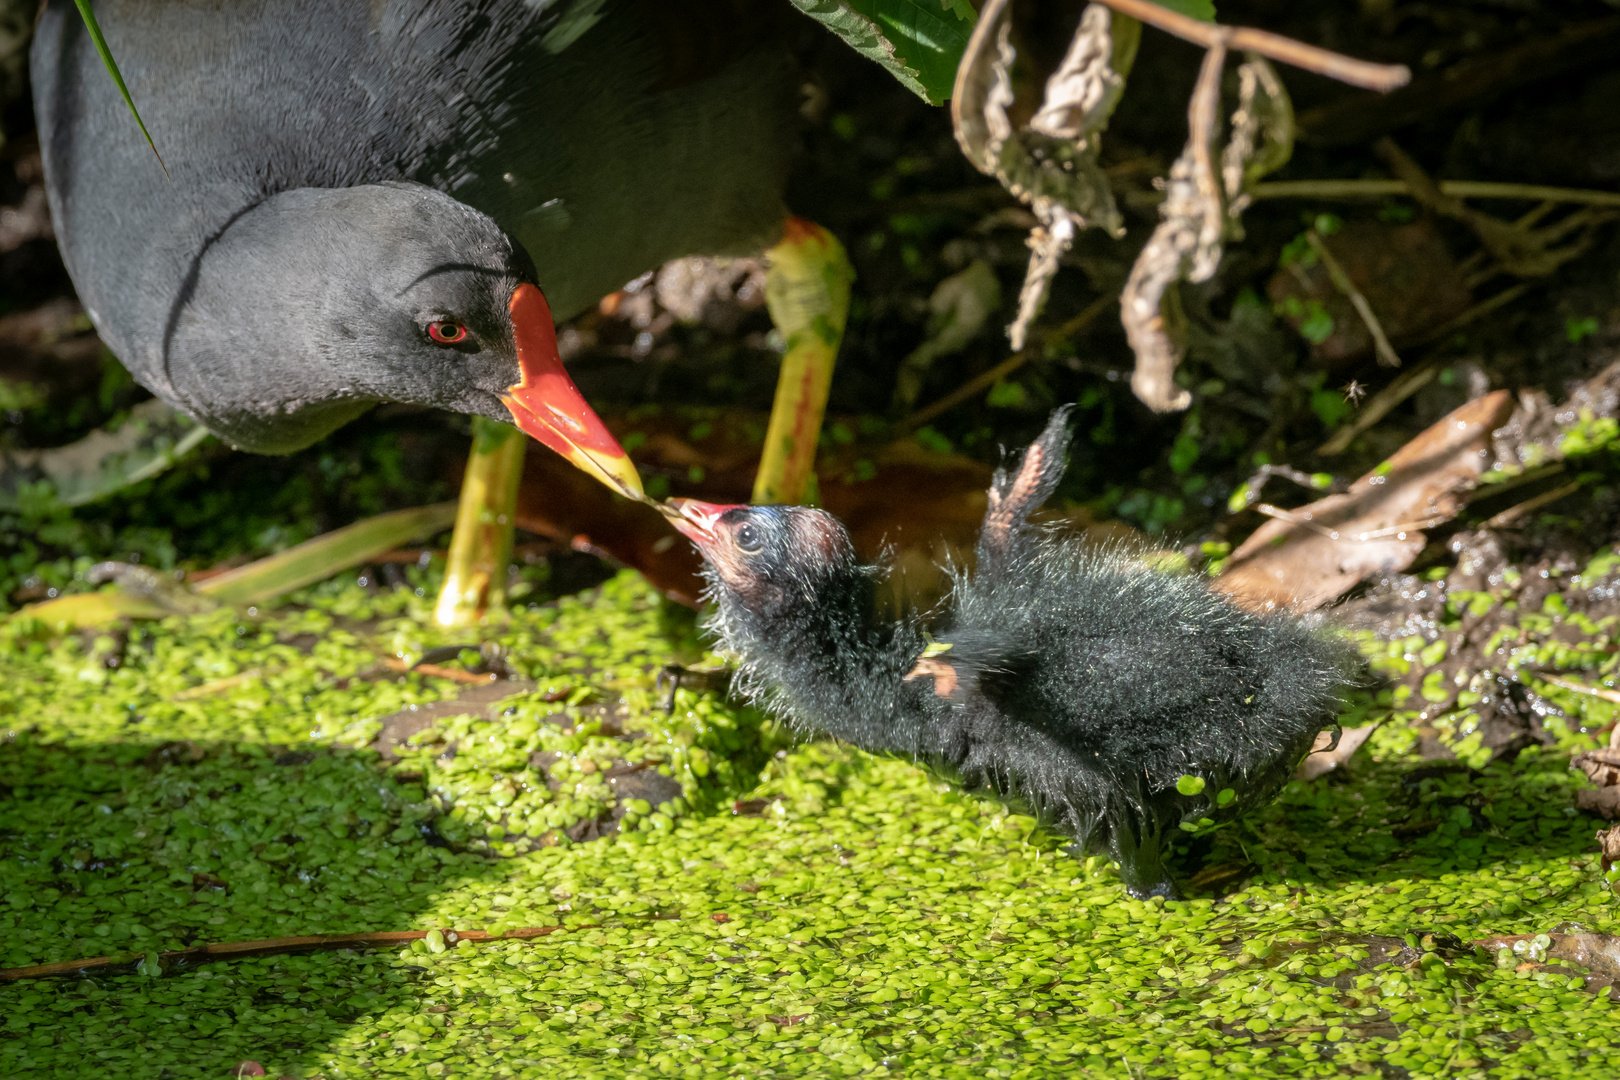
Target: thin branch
[
  {"x": 1580, "y": 688},
  {"x": 1414, "y": 378},
  {"x": 1530, "y": 506},
  {"x": 1457, "y": 189},
  {"x": 394, "y": 663},
  {"x": 236, "y": 950},
  {"x": 1341, "y": 281},
  {"x": 983, "y": 381},
  {"x": 1303, "y": 521},
  {"x": 1380, "y": 77},
  {"x": 1257, "y": 482}
]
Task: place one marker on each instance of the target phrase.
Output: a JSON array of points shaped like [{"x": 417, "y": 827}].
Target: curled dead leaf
[
  {"x": 1310, "y": 556},
  {"x": 1049, "y": 162}
]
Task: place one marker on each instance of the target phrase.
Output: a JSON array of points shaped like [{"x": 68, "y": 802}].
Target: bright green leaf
[{"x": 919, "y": 42}]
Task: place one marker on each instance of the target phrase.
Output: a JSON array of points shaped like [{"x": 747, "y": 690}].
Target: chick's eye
[
  {"x": 748, "y": 539},
  {"x": 447, "y": 332}
]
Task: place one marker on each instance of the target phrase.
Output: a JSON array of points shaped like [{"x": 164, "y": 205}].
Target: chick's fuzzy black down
[{"x": 1082, "y": 683}]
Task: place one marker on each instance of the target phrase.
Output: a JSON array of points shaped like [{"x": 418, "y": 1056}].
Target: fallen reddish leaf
[
  {"x": 1376, "y": 526},
  {"x": 248, "y": 1068}
]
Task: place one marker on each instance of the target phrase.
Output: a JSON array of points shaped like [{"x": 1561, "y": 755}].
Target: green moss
[{"x": 859, "y": 917}]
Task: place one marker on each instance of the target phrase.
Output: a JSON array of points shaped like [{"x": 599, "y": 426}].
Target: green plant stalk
[
  {"x": 91, "y": 25},
  {"x": 481, "y": 547},
  {"x": 807, "y": 294},
  {"x": 327, "y": 554}
]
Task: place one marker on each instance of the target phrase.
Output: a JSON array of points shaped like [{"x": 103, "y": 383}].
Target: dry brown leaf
[
  {"x": 1185, "y": 246},
  {"x": 1261, "y": 139},
  {"x": 1323, "y": 549},
  {"x": 1604, "y": 802},
  {"x": 1602, "y": 767},
  {"x": 1049, "y": 162},
  {"x": 1609, "y": 847}
]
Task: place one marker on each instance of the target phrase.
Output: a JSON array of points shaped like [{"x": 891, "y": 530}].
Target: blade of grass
[
  {"x": 326, "y": 555},
  {"x": 91, "y": 25},
  {"x": 80, "y": 610}
]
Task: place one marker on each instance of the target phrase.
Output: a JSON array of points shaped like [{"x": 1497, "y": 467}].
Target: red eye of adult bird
[
  {"x": 446, "y": 332},
  {"x": 547, "y": 406}
]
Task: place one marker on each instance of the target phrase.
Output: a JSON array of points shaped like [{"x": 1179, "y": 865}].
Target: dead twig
[
  {"x": 1416, "y": 377},
  {"x": 1456, "y": 189},
  {"x": 1380, "y": 77},
  {"x": 1530, "y": 506},
  {"x": 1519, "y": 249},
  {"x": 1580, "y": 688},
  {"x": 1355, "y": 119},
  {"x": 985, "y": 380},
  {"x": 1341, "y": 281},
  {"x": 394, "y": 663},
  {"x": 1317, "y": 482},
  {"x": 1304, "y": 521},
  {"x": 239, "y": 950}
]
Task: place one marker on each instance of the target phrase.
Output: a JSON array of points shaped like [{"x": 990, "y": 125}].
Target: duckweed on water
[{"x": 203, "y": 780}]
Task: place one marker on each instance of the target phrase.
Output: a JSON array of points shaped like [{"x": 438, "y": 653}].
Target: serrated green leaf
[{"x": 919, "y": 42}]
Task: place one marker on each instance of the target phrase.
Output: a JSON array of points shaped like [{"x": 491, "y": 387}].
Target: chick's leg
[
  {"x": 807, "y": 293},
  {"x": 1138, "y": 847}
]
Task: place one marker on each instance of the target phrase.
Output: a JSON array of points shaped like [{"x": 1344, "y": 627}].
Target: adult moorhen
[
  {"x": 366, "y": 201},
  {"x": 1117, "y": 700}
]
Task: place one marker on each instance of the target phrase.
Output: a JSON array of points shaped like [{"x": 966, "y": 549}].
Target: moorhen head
[
  {"x": 1081, "y": 683},
  {"x": 316, "y": 304},
  {"x": 354, "y": 192}
]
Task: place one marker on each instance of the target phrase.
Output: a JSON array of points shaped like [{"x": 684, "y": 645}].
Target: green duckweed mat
[{"x": 750, "y": 908}]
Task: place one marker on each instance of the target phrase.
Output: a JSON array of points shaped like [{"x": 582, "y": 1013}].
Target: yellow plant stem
[
  {"x": 145, "y": 594},
  {"x": 807, "y": 293},
  {"x": 481, "y": 546},
  {"x": 315, "y": 560}
]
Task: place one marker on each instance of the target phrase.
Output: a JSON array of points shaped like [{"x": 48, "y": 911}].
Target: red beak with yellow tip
[
  {"x": 696, "y": 520},
  {"x": 548, "y": 407}
]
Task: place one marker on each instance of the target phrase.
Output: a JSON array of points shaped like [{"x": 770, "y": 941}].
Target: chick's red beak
[
  {"x": 546, "y": 405},
  {"x": 696, "y": 520}
]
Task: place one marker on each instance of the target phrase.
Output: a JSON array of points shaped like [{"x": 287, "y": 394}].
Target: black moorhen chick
[
  {"x": 355, "y": 192},
  {"x": 1080, "y": 683}
]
